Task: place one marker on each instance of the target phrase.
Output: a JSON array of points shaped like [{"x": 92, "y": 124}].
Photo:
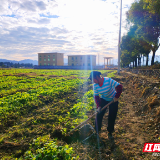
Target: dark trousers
[{"x": 113, "y": 108}]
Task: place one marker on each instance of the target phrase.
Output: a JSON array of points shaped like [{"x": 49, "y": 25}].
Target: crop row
[
  {"x": 76, "y": 114},
  {"x": 48, "y": 148},
  {"x": 25, "y": 85},
  {"x": 13, "y": 104},
  {"x": 15, "y": 79},
  {"x": 34, "y": 72},
  {"x": 45, "y": 148}
]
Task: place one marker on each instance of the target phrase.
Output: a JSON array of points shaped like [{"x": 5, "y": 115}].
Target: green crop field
[{"x": 39, "y": 107}]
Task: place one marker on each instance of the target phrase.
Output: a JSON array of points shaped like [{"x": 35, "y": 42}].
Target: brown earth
[
  {"x": 138, "y": 119},
  {"x": 138, "y": 122}
]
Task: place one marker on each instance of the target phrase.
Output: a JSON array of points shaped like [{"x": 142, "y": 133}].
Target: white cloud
[{"x": 70, "y": 26}]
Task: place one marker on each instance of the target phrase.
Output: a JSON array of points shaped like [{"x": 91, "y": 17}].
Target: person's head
[{"x": 95, "y": 76}]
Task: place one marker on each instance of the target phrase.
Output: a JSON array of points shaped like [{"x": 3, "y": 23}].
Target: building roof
[
  {"x": 51, "y": 53},
  {"x": 81, "y": 55},
  {"x": 108, "y": 57}
]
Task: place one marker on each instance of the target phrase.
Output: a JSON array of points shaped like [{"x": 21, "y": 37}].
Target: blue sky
[{"x": 28, "y": 27}]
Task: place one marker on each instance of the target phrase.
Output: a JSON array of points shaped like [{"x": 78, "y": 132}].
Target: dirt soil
[
  {"x": 138, "y": 119},
  {"x": 138, "y": 122}
]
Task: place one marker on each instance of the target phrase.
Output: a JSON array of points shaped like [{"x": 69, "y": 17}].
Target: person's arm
[
  {"x": 118, "y": 92},
  {"x": 113, "y": 83},
  {"x": 118, "y": 88}
]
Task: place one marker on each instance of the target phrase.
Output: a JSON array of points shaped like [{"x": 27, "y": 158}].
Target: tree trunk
[
  {"x": 147, "y": 60},
  {"x": 139, "y": 60},
  {"x": 136, "y": 62},
  {"x": 153, "y": 56}
]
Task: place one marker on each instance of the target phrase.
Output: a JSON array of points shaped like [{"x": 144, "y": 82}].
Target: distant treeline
[
  {"x": 15, "y": 65},
  {"x": 143, "y": 34}
]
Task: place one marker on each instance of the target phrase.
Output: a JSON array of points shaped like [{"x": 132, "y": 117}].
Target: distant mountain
[
  {"x": 5, "y": 60},
  {"x": 34, "y": 62}
]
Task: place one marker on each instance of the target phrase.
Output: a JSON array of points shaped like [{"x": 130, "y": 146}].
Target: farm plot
[{"x": 36, "y": 104}]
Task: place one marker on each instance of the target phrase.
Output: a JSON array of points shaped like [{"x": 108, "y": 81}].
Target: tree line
[
  {"x": 15, "y": 65},
  {"x": 143, "y": 20}
]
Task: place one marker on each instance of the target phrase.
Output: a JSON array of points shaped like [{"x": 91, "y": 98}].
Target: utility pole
[{"x": 119, "y": 41}]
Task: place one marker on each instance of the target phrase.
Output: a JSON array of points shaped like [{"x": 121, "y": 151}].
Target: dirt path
[{"x": 135, "y": 123}]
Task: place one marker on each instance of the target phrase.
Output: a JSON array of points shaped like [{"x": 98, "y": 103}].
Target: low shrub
[{"x": 43, "y": 148}]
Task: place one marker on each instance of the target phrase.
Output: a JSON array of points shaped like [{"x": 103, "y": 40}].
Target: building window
[
  {"x": 39, "y": 59},
  {"x": 53, "y": 56},
  {"x": 76, "y": 58},
  {"x": 48, "y": 56},
  {"x": 44, "y": 64},
  {"x": 72, "y": 58},
  {"x": 44, "y": 59},
  {"x": 88, "y": 64},
  {"x": 40, "y": 64},
  {"x": 81, "y": 58},
  {"x": 40, "y": 56},
  {"x": 48, "y": 59},
  {"x": 44, "y": 56},
  {"x": 48, "y": 64},
  {"x": 53, "y": 59},
  {"x": 53, "y": 64},
  {"x": 72, "y": 64}
]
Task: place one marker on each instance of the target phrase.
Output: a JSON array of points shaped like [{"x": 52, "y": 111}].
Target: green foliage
[
  {"x": 130, "y": 48},
  {"x": 153, "y": 6},
  {"x": 13, "y": 104},
  {"x": 77, "y": 114},
  {"x": 32, "y": 88},
  {"x": 43, "y": 148},
  {"x": 22, "y": 89},
  {"x": 147, "y": 24}
]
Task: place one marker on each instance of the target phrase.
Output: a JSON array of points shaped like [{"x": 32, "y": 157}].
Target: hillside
[
  {"x": 138, "y": 118},
  {"x": 34, "y": 62}
]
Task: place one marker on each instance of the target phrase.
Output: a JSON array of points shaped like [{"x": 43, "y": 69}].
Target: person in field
[{"x": 105, "y": 91}]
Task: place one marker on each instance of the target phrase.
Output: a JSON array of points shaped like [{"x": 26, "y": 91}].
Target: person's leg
[
  {"x": 99, "y": 117},
  {"x": 113, "y": 108}
]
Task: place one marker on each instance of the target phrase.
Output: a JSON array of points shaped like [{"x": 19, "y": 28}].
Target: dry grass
[
  {"x": 145, "y": 91},
  {"x": 153, "y": 101}
]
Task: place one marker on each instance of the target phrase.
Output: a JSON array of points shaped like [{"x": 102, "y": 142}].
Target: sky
[{"x": 72, "y": 27}]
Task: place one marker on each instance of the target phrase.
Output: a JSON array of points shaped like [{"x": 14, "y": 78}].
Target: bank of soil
[
  {"x": 138, "y": 119},
  {"x": 137, "y": 122}
]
